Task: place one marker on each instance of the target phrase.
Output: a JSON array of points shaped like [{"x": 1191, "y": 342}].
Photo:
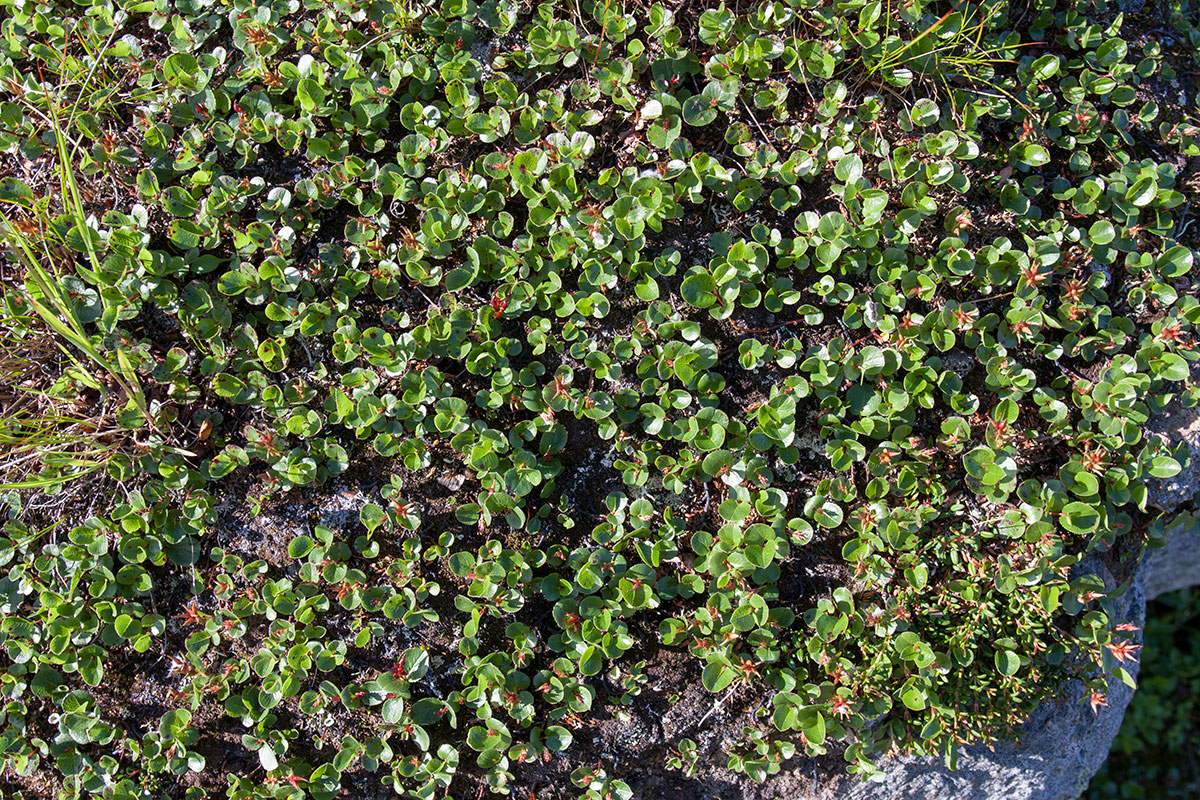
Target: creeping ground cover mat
[{"x": 595, "y": 399}]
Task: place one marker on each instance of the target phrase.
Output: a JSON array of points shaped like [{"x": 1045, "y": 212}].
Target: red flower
[{"x": 1123, "y": 650}]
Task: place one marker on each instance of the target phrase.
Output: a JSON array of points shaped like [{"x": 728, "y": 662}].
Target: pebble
[{"x": 452, "y": 482}]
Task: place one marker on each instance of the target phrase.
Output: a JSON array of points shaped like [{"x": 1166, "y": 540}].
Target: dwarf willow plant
[{"x": 631, "y": 319}]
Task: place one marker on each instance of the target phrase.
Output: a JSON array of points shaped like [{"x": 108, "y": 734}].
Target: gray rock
[
  {"x": 1177, "y": 566},
  {"x": 1178, "y": 424}
]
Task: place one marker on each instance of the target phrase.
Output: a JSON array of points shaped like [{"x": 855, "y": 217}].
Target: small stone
[
  {"x": 1098, "y": 268},
  {"x": 452, "y": 482},
  {"x": 959, "y": 362},
  {"x": 871, "y": 313}
]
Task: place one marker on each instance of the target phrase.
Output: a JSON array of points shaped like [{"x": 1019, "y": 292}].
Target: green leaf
[
  {"x": 1172, "y": 367},
  {"x": 699, "y": 289},
  {"x": 1079, "y": 518},
  {"x": 848, "y": 168},
  {"x": 1035, "y": 155},
  {"x": 181, "y": 69},
  {"x": 1102, "y": 232},
  {"x": 1143, "y": 190},
  {"x": 663, "y": 131},
  {"x": 372, "y": 516},
  {"x": 979, "y": 461},
  {"x": 273, "y": 354},
  {"x": 717, "y": 675},
  {"x": 393, "y": 710},
  {"x": 913, "y": 696},
  {"x": 812, "y": 724},
  {"x": 925, "y": 112},
  {"x": 489, "y": 758},
  {"x": 179, "y": 202},
  {"x": 459, "y": 278},
  {"x": 228, "y": 386},
  {"x": 874, "y": 203},
  {"x": 699, "y": 110},
  {"x": 828, "y": 514},
  {"x": 428, "y": 710},
  {"x": 1045, "y": 67},
  {"x": 591, "y": 662},
  {"x": 300, "y": 546},
  {"x": 1164, "y": 467},
  {"x": 91, "y": 668},
  {"x": 16, "y": 192},
  {"x": 310, "y": 94},
  {"x": 125, "y": 626},
  {"x": 1175, "y": 262},
  {"x": 1007, "y": 662},
  {"x": 558, "y": 738},
  {"x": 185, "y": 233}
]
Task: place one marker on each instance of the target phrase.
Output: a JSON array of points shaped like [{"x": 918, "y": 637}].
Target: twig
[
  {"x": 1184, "y": 222},
  {"x": 716, "y": 705},
  {"x": 1072, "y": 370},
  {"x": 754, "y": 119},
  {"x": 432, "y": 304}
]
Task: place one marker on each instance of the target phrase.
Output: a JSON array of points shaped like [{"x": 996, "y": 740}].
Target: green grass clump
[{"x": 796, "y": 350}]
